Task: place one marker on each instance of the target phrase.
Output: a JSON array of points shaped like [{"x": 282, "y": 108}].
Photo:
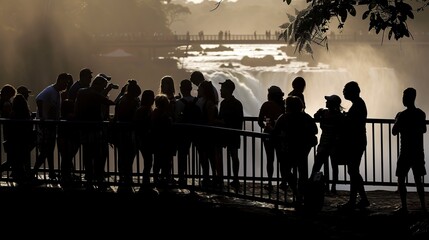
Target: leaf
[
  {"x": 288, "y": 2},
  {"x": 352, "y": 10},
  {"x": 284, "y": 25},
  {"x": 343, "y": 14},
  {"x": 290, "y": 17},
  {"x": 365, "y": 14},
  {"x": 410, "y": 14}
]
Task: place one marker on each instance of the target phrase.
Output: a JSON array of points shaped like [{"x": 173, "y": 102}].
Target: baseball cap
[
  {"x": 23, "y": 90},
  {"x": 334, "y": 99}
]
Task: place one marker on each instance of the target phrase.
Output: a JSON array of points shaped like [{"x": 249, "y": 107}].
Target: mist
[{"x": 39, "y": 39}]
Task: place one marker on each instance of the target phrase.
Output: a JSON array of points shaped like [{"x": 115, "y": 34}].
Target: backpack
[{"x": 191, "y": 112}]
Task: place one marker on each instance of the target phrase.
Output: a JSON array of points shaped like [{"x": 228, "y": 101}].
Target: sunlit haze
[{"x": 49, "y": 37}]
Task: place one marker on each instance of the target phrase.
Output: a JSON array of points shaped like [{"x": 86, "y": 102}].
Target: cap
[
  {"x": 107, "y": 77},
  {"x": 228, "y": 84},
  {"x": 85, "y": 71},
  {"x": 275, "y": 89},
  {"x": 334, "y": 99},
  {"x": 23, "y": 90}
]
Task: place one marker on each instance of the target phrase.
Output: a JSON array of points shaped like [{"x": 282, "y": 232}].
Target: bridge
[{"x": 176, "y": 40}]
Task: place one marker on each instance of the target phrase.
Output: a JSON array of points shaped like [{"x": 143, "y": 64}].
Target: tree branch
[{"x": 217, "y": 5}]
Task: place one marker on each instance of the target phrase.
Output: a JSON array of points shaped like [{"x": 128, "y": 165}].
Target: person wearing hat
[
  {"x": 331, "y": 119},
  {"x": 231, "y": 116},
  {"x": 108, "y": 78},
  {"x": 268, "y": 113},
  {"x": 24, "y": 91}
]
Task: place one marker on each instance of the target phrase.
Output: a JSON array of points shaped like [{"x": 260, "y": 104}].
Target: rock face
[{"x": 267, "y": 60}]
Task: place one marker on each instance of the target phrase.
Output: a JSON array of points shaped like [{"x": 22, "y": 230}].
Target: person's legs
[
  {"x": 233, "y": 152},
  {"x": 420, "y": 191},
  {"x": 402, "y": 188},
  {"x": 269, "y": 150},
  {"x": 335, "y": 172}
]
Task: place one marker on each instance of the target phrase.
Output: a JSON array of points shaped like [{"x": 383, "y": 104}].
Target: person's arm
[
  {"x": 39, "y": 104},
  {"x": 396, "y": 125},
  {"x": 261, "y": 117}
]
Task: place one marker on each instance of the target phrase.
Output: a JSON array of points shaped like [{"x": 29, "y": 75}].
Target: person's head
[
  {"x": 351, "y": 90},
  {"x": 275, "y": 93},
  {"x": 227, "y": 88},
  {"x": 162, "y": 102},
  {"x": 63, "y": 81},
  {"x": 133, "y": 89},
  {"x": 409, "y": 97},
  {"x": 298, "y": 84},
  {"x": 186, "y": 87},
  {"x": 24, "y": 91},
  {"x": 167, "y": 86},
  {"x": 99, "y": 84},
  {"x": 205, "y": 90},
  {"x": 7, "y": 92},
  {"x": 333, "y": 102},
  {"x": 148, "y": 98},
  {"x": 85, "y": 77},
  {"x": 197, "y": 78},
  {"x": 107, "y": 77},
  {"x": 293, "y": 104}
]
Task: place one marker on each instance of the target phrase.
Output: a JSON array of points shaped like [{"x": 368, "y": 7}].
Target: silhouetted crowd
[{"x": 165, "y": 124}]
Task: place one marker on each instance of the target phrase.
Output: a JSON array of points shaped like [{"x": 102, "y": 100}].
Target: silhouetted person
[
  {"x": 6, "y": 98},
  {"x": 354, "y": 144},
  {"x": 411, "y": 125},
  {"x": 298, "y": 87},
  {"x": 231, "y": 116},
  {"x": 22, "y": 140},
  {"x": 187, "y": 112},
  {"x": 208, "y": 142},
  {"x": 143, "y": 123},
  {"x": 89, "y": 106},
  {"x": 268, "y": 115},
  {"x": 48, "y": 108},
  {"x": 68, "y": 142},
  {"x": 331, "y": 121},
  {"x": 163, "y": 141},
  {"x": 124, "y": 115},
  {"x": 297, "y": 131}
]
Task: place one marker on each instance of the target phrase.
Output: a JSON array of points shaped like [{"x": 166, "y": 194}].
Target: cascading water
[{"x": 380, "y": 87}]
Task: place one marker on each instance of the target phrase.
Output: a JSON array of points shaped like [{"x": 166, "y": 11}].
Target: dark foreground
[{"x": 44, "y": 212}]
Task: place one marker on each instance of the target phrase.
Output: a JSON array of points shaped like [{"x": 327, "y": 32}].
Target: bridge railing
[
  {"x": 377, "y": 168},
  {"x": 263, "y": 38}
]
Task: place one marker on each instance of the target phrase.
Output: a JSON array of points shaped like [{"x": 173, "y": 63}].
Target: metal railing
[{"x": 377, "y": 168}]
